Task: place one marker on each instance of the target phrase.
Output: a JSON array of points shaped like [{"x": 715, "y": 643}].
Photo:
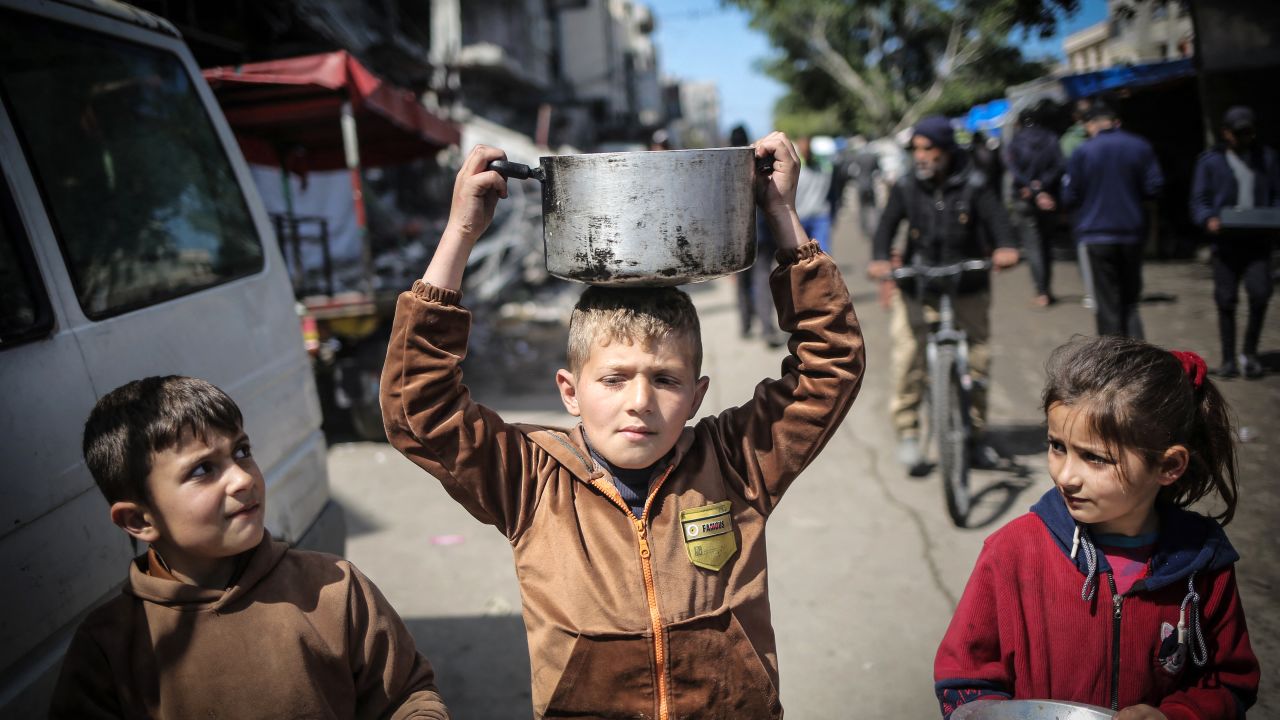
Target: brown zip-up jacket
[
  {"x": 297, "y": 635},
  {"x": 662, "y": 616}
]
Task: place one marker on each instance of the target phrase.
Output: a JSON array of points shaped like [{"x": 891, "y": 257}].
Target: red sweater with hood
[{"x": 1036, "y": 622}]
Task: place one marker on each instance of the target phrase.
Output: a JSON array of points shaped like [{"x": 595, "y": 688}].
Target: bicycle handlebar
[{"x": 940, "y": 271}]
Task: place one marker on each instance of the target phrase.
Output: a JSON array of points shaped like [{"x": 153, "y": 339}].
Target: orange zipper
[{"x": 651, "y": 594}]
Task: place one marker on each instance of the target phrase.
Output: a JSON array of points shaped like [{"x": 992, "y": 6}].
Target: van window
[
  {"x": 24, "y": 308},
  {"x": 138, "y": 187}
]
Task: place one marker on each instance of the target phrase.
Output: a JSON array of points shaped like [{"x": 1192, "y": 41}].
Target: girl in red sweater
[{"x": 1109, "y": 591}]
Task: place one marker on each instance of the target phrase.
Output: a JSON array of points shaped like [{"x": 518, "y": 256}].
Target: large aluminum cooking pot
[
  {"x": 646, "y": 218},
  {"x": 1030, "y": 710}
]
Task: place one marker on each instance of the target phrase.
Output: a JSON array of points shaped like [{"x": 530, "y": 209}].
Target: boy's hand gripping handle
[
  {"x": 508, "y": 169},
  {"x": 764, "y": 165}
]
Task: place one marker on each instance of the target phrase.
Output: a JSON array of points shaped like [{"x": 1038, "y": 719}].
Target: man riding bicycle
[{"x": 952, "y": 216}]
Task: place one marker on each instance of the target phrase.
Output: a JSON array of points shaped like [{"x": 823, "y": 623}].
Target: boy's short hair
[
  {"x": 136, "y": 420},
  {"x": 632, "y": 315}
]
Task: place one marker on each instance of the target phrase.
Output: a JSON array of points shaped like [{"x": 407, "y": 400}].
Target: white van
[{"x": 132, "y": 243}]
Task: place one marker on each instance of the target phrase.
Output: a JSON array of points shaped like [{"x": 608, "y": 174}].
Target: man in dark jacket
[
  {"x": 1238, "y": 173},
  {"x": 1108, "y": 180},
  {"x": 945, "y": 203},
  {"x": 1034, "y": 159}
]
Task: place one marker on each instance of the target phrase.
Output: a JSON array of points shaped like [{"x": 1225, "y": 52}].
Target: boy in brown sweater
[
  {"x": 639, "y": 542},
  {"x": 217, "y": 619}
]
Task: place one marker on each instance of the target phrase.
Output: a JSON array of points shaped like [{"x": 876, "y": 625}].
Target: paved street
[{"x": 865, "y": 565}]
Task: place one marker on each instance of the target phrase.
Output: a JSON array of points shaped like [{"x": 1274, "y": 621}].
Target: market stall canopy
[
  {"x": 1126, "y": 76},
  {"x": 988, "y": 117},
  {"x": 287, "y": 112}
]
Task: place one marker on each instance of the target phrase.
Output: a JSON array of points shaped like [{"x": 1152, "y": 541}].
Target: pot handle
[
  {"x": 508, "y": 169},
  {"x": 764, "y": 165}
]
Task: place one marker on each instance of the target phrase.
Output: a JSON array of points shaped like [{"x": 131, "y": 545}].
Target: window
[
  {"x": 140, "y": 192},
  {"x": 24, "y": 308}
]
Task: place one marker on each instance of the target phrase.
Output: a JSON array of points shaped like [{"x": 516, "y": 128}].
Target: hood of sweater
[
  {"x": 1188, "y": 542},
  {"x": 191, "y": 598}
]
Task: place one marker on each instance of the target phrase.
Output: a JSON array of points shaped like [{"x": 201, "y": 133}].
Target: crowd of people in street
[{"x": 1093, "y": 185}]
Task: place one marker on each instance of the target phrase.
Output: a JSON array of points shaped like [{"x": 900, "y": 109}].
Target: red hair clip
[{"x": 1193, "y": 365}]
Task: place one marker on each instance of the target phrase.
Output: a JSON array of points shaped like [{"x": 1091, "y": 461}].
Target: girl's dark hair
[
  {"x": 1139, "y": 398},
  {"x": 138, "y": 419}
]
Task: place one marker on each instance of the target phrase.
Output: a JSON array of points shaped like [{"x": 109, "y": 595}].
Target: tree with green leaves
[{"x": 879, "y": 65}]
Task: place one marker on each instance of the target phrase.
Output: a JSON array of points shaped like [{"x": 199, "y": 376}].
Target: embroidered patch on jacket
[
  {"x": 1173, "y": 654},
  {"x": 708, "y": 534}
]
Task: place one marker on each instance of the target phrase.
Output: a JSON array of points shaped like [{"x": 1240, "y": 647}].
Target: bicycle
[{"x": 950, "y": 384}]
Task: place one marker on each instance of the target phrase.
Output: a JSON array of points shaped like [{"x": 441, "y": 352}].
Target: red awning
[{"x": 290, "y": 109}]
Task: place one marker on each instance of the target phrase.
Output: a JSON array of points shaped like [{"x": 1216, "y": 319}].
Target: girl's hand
[
  {"x": 1140, "y": 712},
  {"x": 776, "y": 192},
  {"x": 475, "y": 195}
]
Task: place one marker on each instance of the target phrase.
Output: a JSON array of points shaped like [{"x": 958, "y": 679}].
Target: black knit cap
[
  {"x": 937, "y": 130},
  {"x": 1237, "y": 118}
]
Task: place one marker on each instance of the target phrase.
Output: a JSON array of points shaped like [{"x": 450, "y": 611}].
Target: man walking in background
[
  {"x": 755, "y": 301},
  {"x": 1073, "y": 138},
  {"x": 813, "y": 195},
  {"x": 1108, "y": 180},
  {"x": 1238, "y": 173},
  {"x": 1035, "y": 162},
  {"x": 1075, "y": 135}
]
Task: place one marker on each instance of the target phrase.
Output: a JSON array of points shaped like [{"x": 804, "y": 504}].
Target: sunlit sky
[{"x": 702, "y": 40}]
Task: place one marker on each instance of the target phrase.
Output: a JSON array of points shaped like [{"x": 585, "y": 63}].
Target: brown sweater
[
  {"x": 662, "y": 616},
  {"x": 298, "y": 634}
]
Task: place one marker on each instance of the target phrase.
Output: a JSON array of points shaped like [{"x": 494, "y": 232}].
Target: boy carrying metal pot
[{"x": 638, "y": 540}]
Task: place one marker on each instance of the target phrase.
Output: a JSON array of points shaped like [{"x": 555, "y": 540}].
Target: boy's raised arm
[
  {"x": 475, "y": 194},
  {"x": 771, "y": 439},
  {"x": 427, "y": 411},
  {"x": 776, "y": 191}
]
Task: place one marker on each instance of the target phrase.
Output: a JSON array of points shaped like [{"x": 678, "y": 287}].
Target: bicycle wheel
[{"x": 952, "y": 432}]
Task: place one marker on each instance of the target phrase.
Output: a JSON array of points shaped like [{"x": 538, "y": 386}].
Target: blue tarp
[
  {"x": 1126, "y": 76},
  {"x": 987, "y": 118}
]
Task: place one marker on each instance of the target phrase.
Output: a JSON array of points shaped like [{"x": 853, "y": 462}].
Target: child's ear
[
  {"x": 135, "y": 519},
  {"x": 1173, "y": 464},
  {"x": 700, "y": 391},
  {"x": 568, "y": 385}
]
